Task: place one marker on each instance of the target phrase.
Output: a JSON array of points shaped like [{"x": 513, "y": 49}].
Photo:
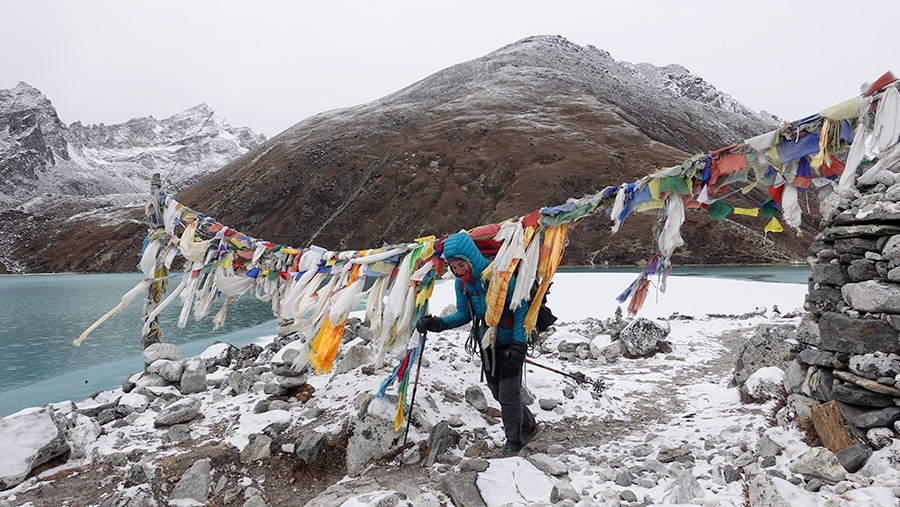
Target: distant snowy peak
[{"x": 41, "y": 155}]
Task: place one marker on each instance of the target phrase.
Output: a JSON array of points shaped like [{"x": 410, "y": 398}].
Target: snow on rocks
[{"x": 669, "y": 428}]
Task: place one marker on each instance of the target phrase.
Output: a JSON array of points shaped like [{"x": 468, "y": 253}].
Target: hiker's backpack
[{"x": 545, "y": 317}]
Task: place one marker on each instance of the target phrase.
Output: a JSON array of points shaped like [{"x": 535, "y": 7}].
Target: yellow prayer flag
[
  {"x": 750, "y": 212},
  {"x": 774, "y": 226},
  {"x": 653, "y": 185}
]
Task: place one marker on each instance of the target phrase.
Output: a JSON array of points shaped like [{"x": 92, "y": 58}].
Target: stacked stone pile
[{"x": 846, "y": 374}]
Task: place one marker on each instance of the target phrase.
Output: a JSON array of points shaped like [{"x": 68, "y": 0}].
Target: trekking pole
[
  {"x": 412, "y": 400},
  {"x": 598, "y": 384}
]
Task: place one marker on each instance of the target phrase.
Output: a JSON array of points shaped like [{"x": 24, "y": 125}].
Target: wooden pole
[{"x": 157, "y": 288}]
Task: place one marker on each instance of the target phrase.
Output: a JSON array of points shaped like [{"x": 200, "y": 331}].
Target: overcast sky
[{"x": 269, "y": 64}]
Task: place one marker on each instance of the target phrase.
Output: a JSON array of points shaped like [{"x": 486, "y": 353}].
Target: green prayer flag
[
  {"x": 674, "y": 184},
  {"x": 719, "y": 210},
  {"x": 769, "y": 208}
]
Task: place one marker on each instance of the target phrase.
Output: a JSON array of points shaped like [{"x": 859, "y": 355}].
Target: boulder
[
  {"x": 181, "y": 411},
  {"x": 643, "y": 336},
  {"x": 819, "y": 463},
  {"x": 29, "y": 438},
  {"x": 159, "y": 351},
  {"x": 193, "y": 380},
  {"x": 767, "y": 347}
]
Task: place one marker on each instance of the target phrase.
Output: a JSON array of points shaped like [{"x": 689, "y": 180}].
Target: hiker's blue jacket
[{"x": 461, "y": 246}]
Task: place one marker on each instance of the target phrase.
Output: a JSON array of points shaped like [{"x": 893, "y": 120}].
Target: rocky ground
[{"x": 669, "y": 428}]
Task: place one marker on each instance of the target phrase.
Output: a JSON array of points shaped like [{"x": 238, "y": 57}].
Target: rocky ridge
[{"x": 54, "y": 175}]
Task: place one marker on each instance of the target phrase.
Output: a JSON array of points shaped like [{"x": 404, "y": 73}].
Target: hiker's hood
[{"x": 461, "y": 246}]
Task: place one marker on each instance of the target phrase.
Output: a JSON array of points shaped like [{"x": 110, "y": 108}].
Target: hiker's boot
[{"x": 531, "y": 433}]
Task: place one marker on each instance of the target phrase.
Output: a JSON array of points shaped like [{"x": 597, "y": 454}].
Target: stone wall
[{"x": 849, "y": 356}]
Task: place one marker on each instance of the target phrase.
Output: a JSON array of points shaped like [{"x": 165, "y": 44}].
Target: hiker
[{"x": 501, "y": 363}]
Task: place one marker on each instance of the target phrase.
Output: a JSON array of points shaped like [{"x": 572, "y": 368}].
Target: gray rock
[
  {"x": 861, "y": 270},
  {"x": 624, "y": 478},
  {"x": 730, "y": 474},
  {"x": 473, "y": 465},
  {"x": 644, "y": 336},
  {"x": 548, "y": 404},
  {"x": 260, "y": 447},
  {"x": 879, "y": 438},
  {"x": 548, "y": 465},
  {"x": 794, "y": 376},
  {"x": 874, "y": 366},
  {"x": 291, "y": 382},
  {"x": 830, "y": 274},
  {"x": 839, "y": 332},
  {"x": 475, "y": 397},
  {"x": 372, "y": 436},
  {"x": 181, "y": 411},
  {"x": 462, "y": 490},
  {"x": 219, "y": 354},
  {"x": 439, "y": 441},
  {"x": 169, "y": 370},
  {"x": 555, "y": 449},
  {"x": 194, "y": 484},
  {"x": 853, "y": 457},
  {"x": 668, "y": 454},
  {"x": 274, "y": 389},
  {"x": 872, "y": 296},
  {"x": 819, "y": 463},
  {"x": 255, "y": 501},
  {"x": 563, "y": 490},
  {"x": 308, "y": 448},
  {"x": 814, "y": 485},
  {"x": 800, "y": 407},
  {"x": 654, "y": 465},
  {"x": 279, "y": 405},
  {"x": 684, "y": 489},
  {"x": 816, "y": 357},
  {"x": 767, "y": 347},
  {"x": 746, "y": 458},
  {"x": 29, "y": 438},
  {"x": 850, "y": 393},
  {"x": 764, "y": 494},
  {"x": 641, "y": 450},
  {"x": 611, "y": 352},
  {"x": 764, "y": 385},
  {"x": 818, "y": 383},
  {"x": 766, "y": 447},
  {"x": 247, "y": 355},
  {"x": 240, "y": 382},
  {"x": 891, "y": 249},
  {"x": 193, "y": 380},
  {"x": 867, "y": 418},
  {"x": 138, "y": 473},
  {"x": 158, "y": 351},
  {"x": 177, "y": 433},
  {"x": 628, "y": 496},
  {"x": 357, "y": 355}
]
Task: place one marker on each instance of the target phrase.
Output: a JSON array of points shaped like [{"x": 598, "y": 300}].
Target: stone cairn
[{"x": 845, "y": 378}]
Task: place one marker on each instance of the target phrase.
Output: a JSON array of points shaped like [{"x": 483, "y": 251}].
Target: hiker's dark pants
[{"x": 505, "y": 383}]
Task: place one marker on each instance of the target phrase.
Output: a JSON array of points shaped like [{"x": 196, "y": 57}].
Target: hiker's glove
[
  {"x": 513, "y": 356},
  {"x": 429, "y": 323}
]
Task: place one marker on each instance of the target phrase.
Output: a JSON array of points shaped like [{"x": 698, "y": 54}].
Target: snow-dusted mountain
[
  {"x": 41, "y": 155},
  {"x": 531, "y": 124}
]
